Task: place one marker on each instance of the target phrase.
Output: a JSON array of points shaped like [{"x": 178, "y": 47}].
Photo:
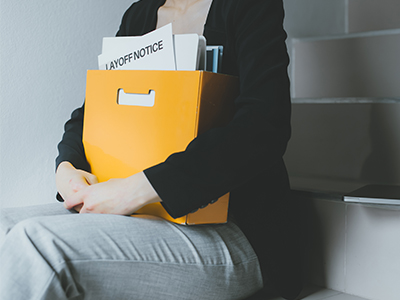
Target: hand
[
  {"x": 70, "y": 180},
  {"x": 115, "y": 196}
]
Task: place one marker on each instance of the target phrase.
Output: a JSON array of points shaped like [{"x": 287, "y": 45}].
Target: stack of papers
[{"x": 157, "y": 50}]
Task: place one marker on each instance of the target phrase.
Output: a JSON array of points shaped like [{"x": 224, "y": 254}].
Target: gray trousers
[{"x": 51, "y": 253}]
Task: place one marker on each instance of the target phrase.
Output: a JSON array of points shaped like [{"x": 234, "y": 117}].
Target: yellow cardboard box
[{"x": 136, "y": 119}]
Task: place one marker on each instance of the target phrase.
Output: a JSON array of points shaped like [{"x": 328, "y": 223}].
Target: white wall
[{"x": 46, "y": 48}]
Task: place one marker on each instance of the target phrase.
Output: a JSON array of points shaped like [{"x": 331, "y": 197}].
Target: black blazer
[{"x": 244, "y": 157}]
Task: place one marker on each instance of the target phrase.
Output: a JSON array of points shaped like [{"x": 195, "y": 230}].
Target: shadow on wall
[
  {"x": 383, "y": 163},
  {"x": 346, "y": 142},
  {"x": 314, "y": 257}
]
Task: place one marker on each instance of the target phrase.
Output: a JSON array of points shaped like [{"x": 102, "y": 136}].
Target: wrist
[
  {"x": 141, "y": 192},
  {"x": 64, "y": 166},
  {"x": 150, "y": 191}
]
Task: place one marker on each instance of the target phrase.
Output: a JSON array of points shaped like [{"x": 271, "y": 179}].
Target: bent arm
[{"x": 254, "y": 142}]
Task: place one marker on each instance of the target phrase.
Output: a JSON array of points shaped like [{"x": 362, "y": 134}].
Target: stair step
[
  {"x": 357, "y": 65},
  {"x": 367, "y": 15},
  {"x": 352, "y": 248},
  {"x": 313, "y": 292},
  {"x": 353, "y": 142}
]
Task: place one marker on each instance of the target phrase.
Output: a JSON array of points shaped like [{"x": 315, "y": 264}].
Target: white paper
[
  {"x": 187, "y": 51},
  {"x": 202, "y": 53},
  {"x": 153, "y": 51}
]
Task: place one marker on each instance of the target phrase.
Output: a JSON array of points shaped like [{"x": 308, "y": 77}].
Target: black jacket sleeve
[
  {"x": 223, "y": 159},
  {"x": 71, "y": 147}
]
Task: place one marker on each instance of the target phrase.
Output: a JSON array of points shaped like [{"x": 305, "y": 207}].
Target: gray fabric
[{"x": 63, "y": 255}]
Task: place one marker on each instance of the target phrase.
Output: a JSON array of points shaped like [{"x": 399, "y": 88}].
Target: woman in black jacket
[{"x": 243, "y": 158}]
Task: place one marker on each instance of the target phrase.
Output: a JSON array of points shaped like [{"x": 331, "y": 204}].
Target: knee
[
  {"x": 27, "y": 226},
  {"x": 5, "y": 222},
  {"x": 32, "y": 238},
  {"x": 10, "y": 218},
  {"x": 28, "y": 232}
]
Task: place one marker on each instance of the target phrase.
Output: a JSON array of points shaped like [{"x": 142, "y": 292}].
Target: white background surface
[{"x": 46, "y": 48}]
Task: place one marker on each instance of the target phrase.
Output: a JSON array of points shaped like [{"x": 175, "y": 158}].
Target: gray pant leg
[
  {"x": 116, "y": 257},
  {"x": 10, "y": 216}
]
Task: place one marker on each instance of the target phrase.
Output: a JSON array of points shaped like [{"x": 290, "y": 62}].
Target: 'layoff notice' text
[{"x": 148, "y": 50}]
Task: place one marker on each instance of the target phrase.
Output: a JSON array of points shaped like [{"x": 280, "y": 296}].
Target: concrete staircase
[{"x": 346, "y": 133}]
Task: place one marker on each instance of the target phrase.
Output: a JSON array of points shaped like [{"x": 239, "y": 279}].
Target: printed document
[
  {"x": 157, "y": 50},
  {"x": 153, "y": 51}
]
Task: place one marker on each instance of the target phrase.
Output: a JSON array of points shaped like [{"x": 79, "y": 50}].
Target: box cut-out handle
[{"x": 134, "y": 99}]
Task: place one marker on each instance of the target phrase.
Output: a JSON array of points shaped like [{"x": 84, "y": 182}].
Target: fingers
[
  {"x": 70, "y": 181},
  {"x": 74, "y": 199},
  {"x": 78, "y": 207},
  {"x": 90, "y": 178},
  {"x": 77, "y": 183},
  {"x": 83, "y": 210}
]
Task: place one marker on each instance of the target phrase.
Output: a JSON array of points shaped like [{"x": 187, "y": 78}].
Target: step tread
[{"x": 312, "y": 292}]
